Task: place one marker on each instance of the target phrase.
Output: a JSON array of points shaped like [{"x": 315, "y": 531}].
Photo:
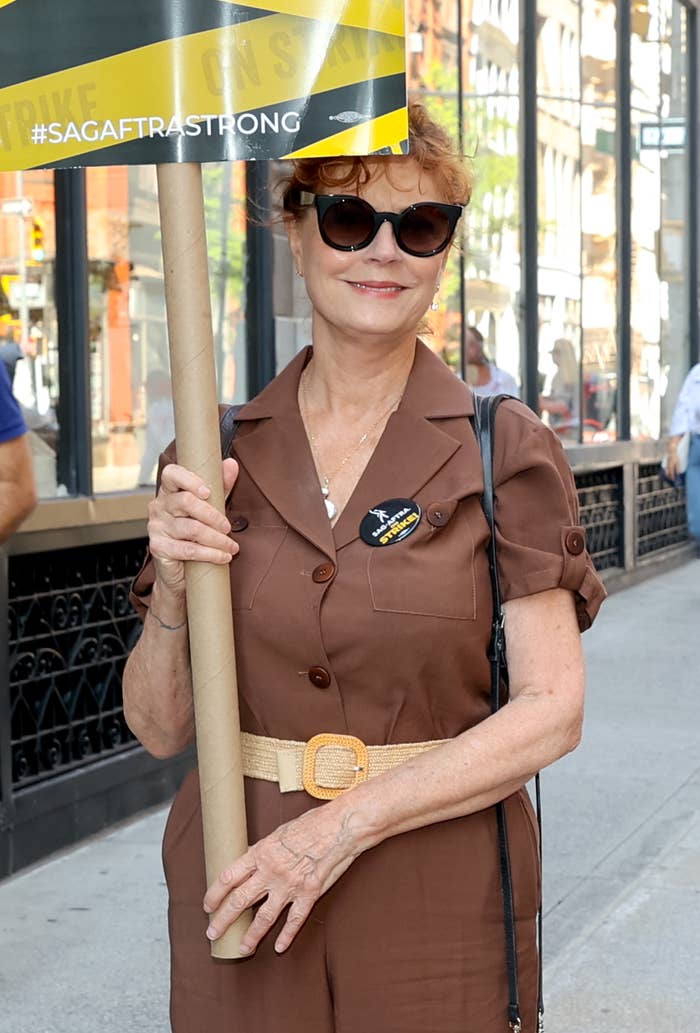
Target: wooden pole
[{"x": 212, "y": 650}]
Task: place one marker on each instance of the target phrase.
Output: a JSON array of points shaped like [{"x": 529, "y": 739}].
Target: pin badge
[{"x": 390, "y": 522}]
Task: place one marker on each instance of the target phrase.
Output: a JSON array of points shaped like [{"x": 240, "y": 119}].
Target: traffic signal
[{"x": 37, "y": 239}]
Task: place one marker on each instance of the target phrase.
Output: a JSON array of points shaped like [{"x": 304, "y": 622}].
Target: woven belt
[{"x": 326, "y": 765}]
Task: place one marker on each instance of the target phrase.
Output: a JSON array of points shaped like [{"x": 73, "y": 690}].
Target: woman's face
[{"x": 380, "y": 290}]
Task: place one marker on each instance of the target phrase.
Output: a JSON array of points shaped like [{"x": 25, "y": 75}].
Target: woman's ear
[{"x": 291, "y": 225}]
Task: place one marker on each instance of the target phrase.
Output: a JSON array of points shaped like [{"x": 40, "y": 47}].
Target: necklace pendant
[{"x": 331, "y": 508}]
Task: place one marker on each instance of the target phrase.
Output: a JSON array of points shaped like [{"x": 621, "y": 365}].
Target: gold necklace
[{"x": 325, "y": 479}]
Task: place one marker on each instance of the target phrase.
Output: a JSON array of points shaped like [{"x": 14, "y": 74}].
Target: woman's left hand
[{"x": 294, "y": 866}]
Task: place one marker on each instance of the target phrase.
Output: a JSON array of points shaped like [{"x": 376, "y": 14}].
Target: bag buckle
[{"x": 308, "y": 767}]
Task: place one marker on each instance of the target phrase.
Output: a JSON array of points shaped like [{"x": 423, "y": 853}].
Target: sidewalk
[
  {"x": 622, "y": 825},
  {"x": 83, "y": 937}
]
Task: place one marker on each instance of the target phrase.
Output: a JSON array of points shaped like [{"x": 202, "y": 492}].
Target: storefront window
[
  {"x": 659, "y": 357},
  {"x": 598, "y": 220},
  {"x": 492, "y": 273},
  {"x": 28, "y": 313},
  {"x": 432, "y": 74},
  {"x": 559, "y": 218},
  {"x": 577, "y": 273},
  {"x": 131, "y": 407}
]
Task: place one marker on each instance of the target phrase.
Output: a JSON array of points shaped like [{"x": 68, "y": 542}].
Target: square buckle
[{"x": 308, "y": 768}]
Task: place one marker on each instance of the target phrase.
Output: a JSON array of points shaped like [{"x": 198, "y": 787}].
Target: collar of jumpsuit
[{"x": 276, "y": 454}]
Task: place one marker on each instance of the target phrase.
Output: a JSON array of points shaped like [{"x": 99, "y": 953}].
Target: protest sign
[{"x": 173, "y": 81}]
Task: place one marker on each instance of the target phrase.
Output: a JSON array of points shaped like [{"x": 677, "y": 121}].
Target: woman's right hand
[
  {"x": 671, "y": 464},
  {"x": 183, "y": 525}
]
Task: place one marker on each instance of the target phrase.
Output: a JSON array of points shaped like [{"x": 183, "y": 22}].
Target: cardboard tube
[{"x": 208, "y": 587}]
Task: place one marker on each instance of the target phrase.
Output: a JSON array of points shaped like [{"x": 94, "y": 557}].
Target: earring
[
  {"x": 434, "y": 305},
  {"x": 299, "y": 273}
]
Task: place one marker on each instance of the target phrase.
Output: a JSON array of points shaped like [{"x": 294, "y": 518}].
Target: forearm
[
  {"x": 467, "y": 774},
  {"x": 157, "y": 682},
  {"x": 16, "y": 503}
]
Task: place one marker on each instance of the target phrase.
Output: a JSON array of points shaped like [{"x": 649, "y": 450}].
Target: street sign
[
  {"x": 17, "y": 206},
  {"x": 31, "y": 293},
  {"x": 668, "y": 135}
]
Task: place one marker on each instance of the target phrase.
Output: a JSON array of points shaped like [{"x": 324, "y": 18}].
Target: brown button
[
  {"x": 239, "y": 523},
  {"x": 574, "y": 543},
  {"x": 319, "y": 677},
  {"x": 438, "y": 515},
  {"x": 323, "y": 572}
]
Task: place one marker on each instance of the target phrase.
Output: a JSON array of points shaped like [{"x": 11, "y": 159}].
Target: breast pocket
[{"x": 431, "y": 573}]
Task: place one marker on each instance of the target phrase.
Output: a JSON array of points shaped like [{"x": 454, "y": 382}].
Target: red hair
[{"x": 430, "y": 146}]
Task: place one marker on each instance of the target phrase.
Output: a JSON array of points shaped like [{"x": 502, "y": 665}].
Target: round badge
[{"x": 390, "y": 522}]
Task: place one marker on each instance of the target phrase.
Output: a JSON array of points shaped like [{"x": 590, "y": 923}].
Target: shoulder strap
[
  {"x": 228, "y": 428},
  {"x": 485, "y": 407}
]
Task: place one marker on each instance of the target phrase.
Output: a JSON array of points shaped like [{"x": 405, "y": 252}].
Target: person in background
[
  {"x": 10, "y": 354},
  {"x": 562, "y": 400},
  {"x": 686, "y": 419},
  {"x": 17, "y": 489},
  {"x": 484, "y": 377}
]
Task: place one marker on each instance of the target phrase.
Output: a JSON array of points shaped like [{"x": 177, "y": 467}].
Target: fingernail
[
  {"x": 211, "y": 933},
  {"x": 208, "y": 910},
  {"x": 203, "y": 492},
  {"x": 243, "y": 951}
]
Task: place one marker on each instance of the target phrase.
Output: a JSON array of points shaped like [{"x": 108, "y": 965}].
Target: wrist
[
  {"x": 169, "y": 604},
  {"x": 359, "y": 818}
]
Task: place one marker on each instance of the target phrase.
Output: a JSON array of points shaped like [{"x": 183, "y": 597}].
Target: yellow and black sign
[{"x": 84, "y": 83}]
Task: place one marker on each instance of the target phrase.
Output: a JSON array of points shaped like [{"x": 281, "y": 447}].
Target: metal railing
[{"x": 71, "y": 628}]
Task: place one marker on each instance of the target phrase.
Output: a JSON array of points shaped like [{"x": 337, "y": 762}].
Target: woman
[
  {"x": 686, "y": 419},
  {"x": 380, "y": 909},
  {"x": 562, "y": 400},
  {"x": 485, "y": 377}
]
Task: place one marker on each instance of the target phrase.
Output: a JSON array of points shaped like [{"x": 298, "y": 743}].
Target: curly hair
[{"x": 430, "y": 146}]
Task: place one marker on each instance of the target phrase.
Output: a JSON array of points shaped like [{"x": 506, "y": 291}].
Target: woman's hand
[
  {"x": 294, "y": 866},
  {"x": 183, "y": 525},
  {"x": 672, "y": 459}
]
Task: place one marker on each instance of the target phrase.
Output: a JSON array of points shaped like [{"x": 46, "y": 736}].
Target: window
[
  {"x": 131, "y": 408},
  {"x": 432, "y": 71},
  {"x": 577, "y": 307},
  {"x": 27, "y": 312},
  {"x": 492, "y": 260},
  {"x": 659, "y": 319}
]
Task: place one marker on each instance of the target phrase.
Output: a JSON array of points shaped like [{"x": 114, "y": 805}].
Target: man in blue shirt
[{"x": 17, "y": 490}]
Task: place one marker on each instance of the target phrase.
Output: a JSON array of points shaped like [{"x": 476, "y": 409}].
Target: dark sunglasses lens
[
  {"x": 424, "y": 229},
  {"x": 348, "y": 223}
]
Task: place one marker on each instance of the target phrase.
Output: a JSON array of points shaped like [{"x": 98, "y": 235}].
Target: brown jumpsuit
[{"x": 390, "y": 648}]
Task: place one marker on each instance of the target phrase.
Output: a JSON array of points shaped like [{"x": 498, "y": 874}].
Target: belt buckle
[{"x": 308, "y": 768}]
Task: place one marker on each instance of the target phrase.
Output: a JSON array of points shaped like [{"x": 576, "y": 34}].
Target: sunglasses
[{"x": 348, "y": 223}]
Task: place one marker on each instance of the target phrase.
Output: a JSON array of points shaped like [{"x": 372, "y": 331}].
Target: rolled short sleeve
[
  {"x": 142, "y": 585},
  {"x": 11, "y": 420},
  {"x": 540, "y": 542}
]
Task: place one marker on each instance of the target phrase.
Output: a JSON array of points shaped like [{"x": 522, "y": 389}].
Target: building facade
[{"x": 578, "y": 265}]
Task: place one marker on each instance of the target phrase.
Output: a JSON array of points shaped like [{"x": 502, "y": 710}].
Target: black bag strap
[
  {"x": 485, "y": 407},
  {"x": 228, "y": 428}
]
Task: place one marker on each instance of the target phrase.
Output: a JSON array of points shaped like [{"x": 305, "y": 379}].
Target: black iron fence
[
  {"x": 601, "y": 503},
  {"x": 660, "y": 509},
  {"x": 71, "y": 628}
]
